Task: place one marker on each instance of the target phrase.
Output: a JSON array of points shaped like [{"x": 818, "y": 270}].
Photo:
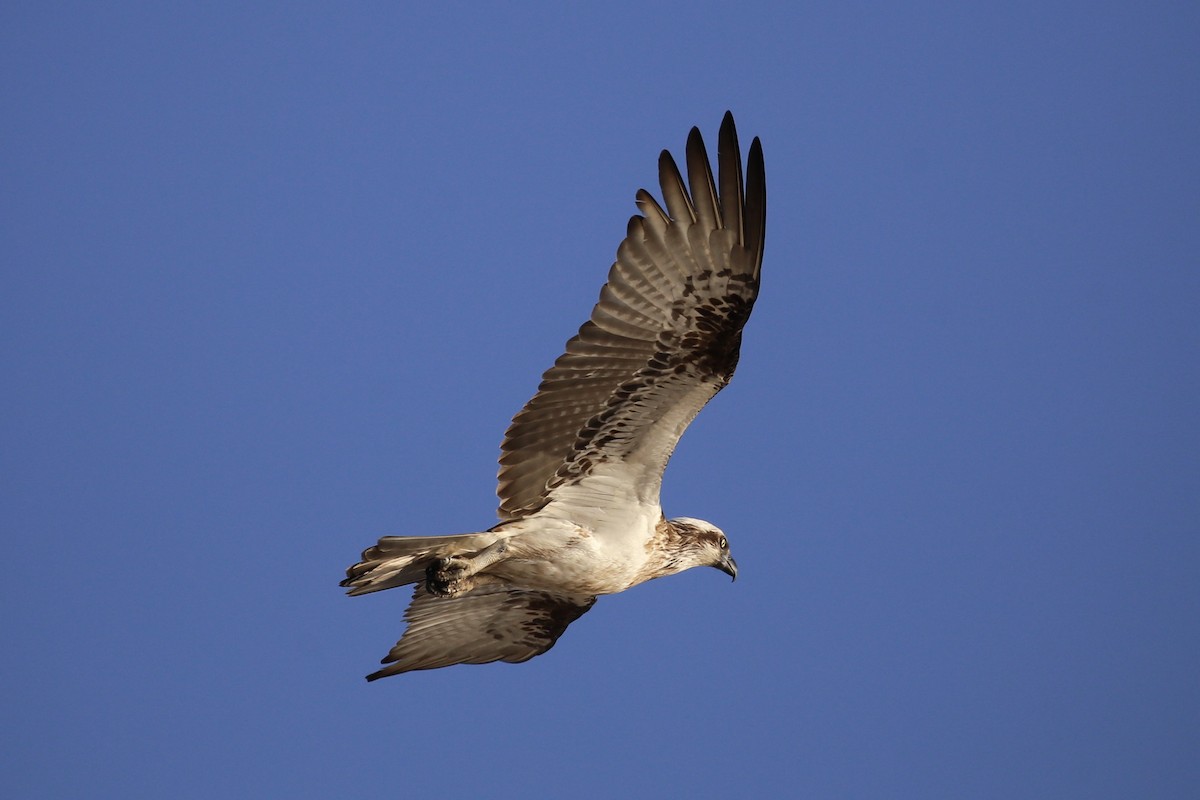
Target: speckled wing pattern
[
  {"x": 662, "y": 340},
  {"x": 492, "y": 622}
]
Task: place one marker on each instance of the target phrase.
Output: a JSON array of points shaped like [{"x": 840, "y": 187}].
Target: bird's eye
[{"x": 724, "y": 543}]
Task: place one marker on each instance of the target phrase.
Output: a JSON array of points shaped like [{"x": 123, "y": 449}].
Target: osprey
[{"x": 582, "y": 463}]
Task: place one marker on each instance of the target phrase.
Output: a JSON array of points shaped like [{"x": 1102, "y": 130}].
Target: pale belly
[{"x": 555, "y": 554}]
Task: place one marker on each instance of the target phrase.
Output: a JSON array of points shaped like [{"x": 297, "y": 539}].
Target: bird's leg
[{"x": 451, "y": 575}]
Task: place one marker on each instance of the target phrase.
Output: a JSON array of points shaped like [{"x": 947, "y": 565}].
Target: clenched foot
[{"x": 449, "y": 576}]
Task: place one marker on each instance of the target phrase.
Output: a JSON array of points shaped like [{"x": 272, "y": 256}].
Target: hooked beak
[{"x": 728, "y": 566}]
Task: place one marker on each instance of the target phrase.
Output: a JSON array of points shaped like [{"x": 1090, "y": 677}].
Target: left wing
[
  {"x": 493, "y": 622},
  {"x": 663, "y": 339}
]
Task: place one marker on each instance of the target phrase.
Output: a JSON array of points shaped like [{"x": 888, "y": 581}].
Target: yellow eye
[{"x": 724, "y": 543}]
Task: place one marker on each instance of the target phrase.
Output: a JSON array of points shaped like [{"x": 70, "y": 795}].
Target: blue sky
[{"x": 277, "y": 276}]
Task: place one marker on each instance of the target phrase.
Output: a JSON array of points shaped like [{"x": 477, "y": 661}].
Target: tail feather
[{"x": 398, "y": 560}]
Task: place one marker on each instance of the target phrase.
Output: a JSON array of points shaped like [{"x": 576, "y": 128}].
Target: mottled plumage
[{"x": 581, "y": 464}]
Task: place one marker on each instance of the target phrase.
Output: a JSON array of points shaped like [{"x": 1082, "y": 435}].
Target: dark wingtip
[
  {"x": 728, "y": 127},
  {"x": 756, "y": 201}
]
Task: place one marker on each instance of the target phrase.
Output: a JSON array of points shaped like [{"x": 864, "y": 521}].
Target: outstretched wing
[
  {"x": 662, "y": 340},
  {"x": 493, "y": 622}
]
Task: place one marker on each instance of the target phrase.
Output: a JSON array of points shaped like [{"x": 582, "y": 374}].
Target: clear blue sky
[{"x": 276, "y": 277}]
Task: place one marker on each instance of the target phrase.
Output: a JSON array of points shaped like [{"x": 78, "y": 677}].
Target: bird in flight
[{"x": 582, "y": 463}]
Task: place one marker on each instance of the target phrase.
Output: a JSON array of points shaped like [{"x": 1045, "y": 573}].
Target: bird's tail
[{"x": 397, "y": 560}]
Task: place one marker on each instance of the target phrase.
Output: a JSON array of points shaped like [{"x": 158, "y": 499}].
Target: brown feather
[{"x": 663, "y": 338}]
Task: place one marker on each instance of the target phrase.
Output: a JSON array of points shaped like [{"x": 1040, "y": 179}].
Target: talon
[{"x": 448, "y": 576}]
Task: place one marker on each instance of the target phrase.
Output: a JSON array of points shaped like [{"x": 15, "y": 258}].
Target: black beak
[{"x": 728, "y": 566}]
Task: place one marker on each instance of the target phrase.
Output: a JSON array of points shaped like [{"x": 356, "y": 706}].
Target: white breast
[{"x": 592, "y": 539}]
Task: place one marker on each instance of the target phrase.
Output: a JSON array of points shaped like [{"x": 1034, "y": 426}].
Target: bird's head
[{"x": 705, "y": 544}]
